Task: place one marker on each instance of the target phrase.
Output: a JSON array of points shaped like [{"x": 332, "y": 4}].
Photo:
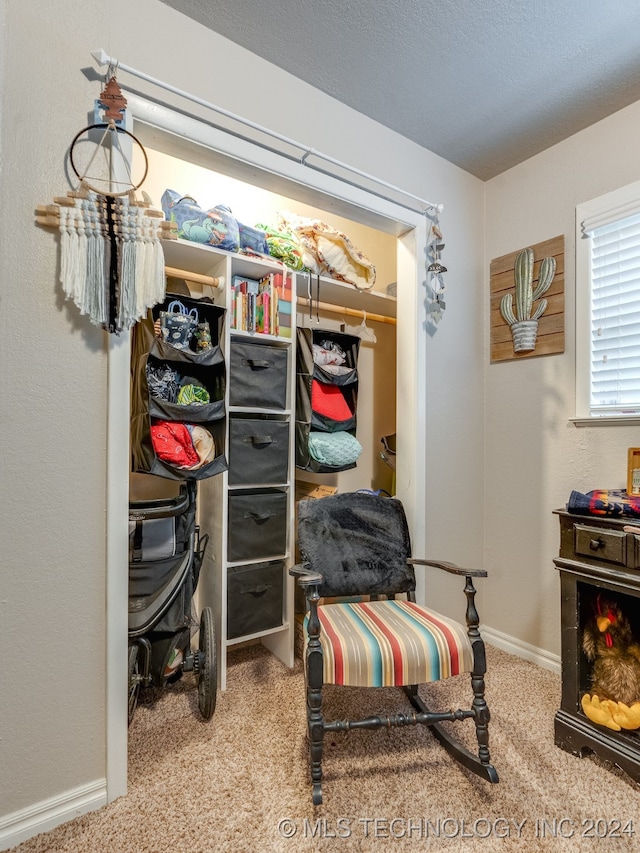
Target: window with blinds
[
  {"x": 608, "y": 306},
  {"x": 615, "y": 317}
]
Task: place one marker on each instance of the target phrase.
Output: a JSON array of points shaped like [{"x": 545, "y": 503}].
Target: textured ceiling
[{"x": 485, "y": 84}]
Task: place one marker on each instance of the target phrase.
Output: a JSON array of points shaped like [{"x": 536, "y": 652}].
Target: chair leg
[
  {"x": 480, "y": 763},
  {"x": 315, "y": 722},
  {"x": 479, "y": 704},
  {"x": 452, "y": 745},
  {"x": 316, "y": 733}
]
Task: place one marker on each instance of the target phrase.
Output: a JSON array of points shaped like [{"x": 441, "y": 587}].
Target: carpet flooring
[{"x": 239, "y": 783}]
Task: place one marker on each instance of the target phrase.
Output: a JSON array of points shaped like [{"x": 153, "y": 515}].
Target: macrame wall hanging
[
  {"x": 111, "y": 258},
  {"x": 435, "y": 269}
]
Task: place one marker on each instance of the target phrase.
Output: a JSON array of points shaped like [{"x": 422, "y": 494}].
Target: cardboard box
[{"x": 313, "y": 490}]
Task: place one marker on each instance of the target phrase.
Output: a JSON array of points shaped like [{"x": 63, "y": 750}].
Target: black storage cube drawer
[
  {"x": 258, "y": 451},
  {"x": 258, "y": 376},
  {"x": 257, "y": 525},
  {"x": 254, "y": 598}
]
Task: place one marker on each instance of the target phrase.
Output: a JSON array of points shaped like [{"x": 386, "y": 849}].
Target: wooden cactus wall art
[
  {"x": 527, "y": 302},
  {"x": 524, "y": 323}
]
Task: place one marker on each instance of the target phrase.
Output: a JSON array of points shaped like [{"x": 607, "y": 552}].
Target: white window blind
[{"x": 615, "y": 315}]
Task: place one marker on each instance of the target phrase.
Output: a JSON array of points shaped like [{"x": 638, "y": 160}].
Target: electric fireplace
[{"x": 598, "y": 556}]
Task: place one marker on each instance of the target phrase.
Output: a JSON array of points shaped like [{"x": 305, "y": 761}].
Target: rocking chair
[{"x": 356, "y": 545}]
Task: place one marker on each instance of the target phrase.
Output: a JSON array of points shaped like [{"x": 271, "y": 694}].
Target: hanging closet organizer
[
  {"x": 326, "y": 404},
  {"x": 152, "y": 356}
]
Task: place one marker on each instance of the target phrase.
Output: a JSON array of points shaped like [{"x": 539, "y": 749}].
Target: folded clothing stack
[{"x": 168, "y": 384}]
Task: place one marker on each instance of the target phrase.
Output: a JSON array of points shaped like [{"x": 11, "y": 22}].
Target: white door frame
[{"x": 267, "y": 168}]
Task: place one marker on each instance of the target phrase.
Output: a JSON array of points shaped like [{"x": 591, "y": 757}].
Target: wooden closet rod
[
  {"x": 198, "y": 278},
  {"x": 217, "y": 281},
  {"x": 351, "y": 312}
]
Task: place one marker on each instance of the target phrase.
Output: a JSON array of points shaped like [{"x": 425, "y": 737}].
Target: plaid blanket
[{"x": 611, "y": 502}]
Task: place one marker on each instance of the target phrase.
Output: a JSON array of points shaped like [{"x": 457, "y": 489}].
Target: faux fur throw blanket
[
  {"x": 358, "y": 542},
  {"x": 610, "y": 502}
]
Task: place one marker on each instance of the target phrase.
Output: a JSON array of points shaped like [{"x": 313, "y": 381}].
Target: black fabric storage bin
[
  {"x": 258, "y": 375},
  {"x": 258, "y": 451},
  {"x": 257, "y": 524},
  {"x": 254, "y": 598}
]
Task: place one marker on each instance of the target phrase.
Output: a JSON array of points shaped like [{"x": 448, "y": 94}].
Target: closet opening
[
  {"x": 395, "y": 359},
  {"x": 334, "y": 306}
]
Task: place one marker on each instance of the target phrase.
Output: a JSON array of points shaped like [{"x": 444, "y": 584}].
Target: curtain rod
[{"x": 102, "y": 58}]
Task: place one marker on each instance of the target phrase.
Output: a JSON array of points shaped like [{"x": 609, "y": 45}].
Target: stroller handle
[{"x": 164, "y": 508}]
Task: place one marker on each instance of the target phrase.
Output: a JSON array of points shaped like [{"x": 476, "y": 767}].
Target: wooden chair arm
[
  {"x": 305, "y": 577},
  {"x": 448, "y": 567}
]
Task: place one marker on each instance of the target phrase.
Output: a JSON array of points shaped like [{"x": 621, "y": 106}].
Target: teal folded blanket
[{"x": 334, "y": 449}]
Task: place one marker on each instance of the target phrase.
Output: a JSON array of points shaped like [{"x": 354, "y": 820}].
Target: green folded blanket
[{"x": 284, "y": 246}]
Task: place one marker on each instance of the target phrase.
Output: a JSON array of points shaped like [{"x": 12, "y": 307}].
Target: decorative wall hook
[{"x": 112, "y": 101}]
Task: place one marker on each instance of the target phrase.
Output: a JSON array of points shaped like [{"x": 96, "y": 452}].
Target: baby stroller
[{"x": 165, "y": 556}]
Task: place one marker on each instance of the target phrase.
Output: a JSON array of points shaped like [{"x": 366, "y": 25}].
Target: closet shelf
[
  {"x": 259, "y": 634},
  {"x": 259, "y": 337},
  {"x": 209, "y": 261},
  {"x": 195, "y": 257}
]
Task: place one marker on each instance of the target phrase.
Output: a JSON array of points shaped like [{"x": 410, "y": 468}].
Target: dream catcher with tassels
[{"x": 111, "y": 258}]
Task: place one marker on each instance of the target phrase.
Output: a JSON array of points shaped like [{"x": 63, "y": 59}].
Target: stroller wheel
[
  {"x": 208, "y": 669},
  {"x": 134, "y": 680}
]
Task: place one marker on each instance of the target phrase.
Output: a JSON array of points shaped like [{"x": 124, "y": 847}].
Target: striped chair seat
[{"x": 390, "y": 644}]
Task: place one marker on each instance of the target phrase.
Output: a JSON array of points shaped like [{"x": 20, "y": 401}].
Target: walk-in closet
[{"x": 319, "y": 305}]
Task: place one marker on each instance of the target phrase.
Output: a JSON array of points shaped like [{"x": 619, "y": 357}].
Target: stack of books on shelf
[{"x": 262, "y": 305}]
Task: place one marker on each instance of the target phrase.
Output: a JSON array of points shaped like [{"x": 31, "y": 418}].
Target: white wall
[
  {"x": 534, "y": 456},
  {"x": 54, "y": 364}
]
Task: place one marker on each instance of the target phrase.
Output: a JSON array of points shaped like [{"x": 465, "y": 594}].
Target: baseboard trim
[
  {"x": 47, "y": 814},
  {"x": 521, "y": 649}
]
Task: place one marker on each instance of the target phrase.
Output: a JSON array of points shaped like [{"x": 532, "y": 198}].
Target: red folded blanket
[
  {"x": 610, "y": 502},
  {"x": 329, "y": 401},
  {"x": 173, "y": 443}
]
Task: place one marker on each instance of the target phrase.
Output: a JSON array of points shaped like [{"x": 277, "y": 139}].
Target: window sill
[{"x": 614, "y": 420}]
